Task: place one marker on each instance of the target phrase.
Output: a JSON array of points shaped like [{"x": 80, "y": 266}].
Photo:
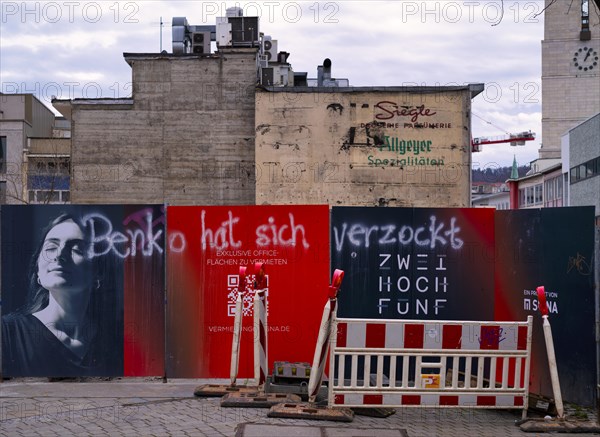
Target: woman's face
[{"x": 63, "y": 263}]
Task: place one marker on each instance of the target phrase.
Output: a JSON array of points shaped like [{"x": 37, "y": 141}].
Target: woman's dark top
[{"x": 29, "y": 348}]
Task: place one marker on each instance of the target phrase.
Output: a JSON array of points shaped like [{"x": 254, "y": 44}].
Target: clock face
[{"x": 585, "y": 59}]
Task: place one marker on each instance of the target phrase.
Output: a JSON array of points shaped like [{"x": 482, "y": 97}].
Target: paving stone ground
[{"x": 138, "y": 407}]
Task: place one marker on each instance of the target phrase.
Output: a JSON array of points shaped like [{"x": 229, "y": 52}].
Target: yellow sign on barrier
[{"x": 430, "y": 380}]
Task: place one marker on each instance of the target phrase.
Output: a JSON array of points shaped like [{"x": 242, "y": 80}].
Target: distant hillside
[{"x": 496, "y": 174}]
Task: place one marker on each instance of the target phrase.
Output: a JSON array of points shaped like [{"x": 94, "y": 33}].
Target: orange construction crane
[{"x": 514, "y": 140}]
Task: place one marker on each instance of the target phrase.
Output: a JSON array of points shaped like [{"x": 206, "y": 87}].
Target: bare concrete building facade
[
  {"x": 364, "y": 146},
  {"x": 186, "y": 136}
]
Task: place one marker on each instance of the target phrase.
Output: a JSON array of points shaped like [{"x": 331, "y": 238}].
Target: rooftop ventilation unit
[
  {"x": 223, "y": 34},
  {"x": 200, "y": 43},
  {"x": 270, "y": 49},
  {"x": 179, "y": 28},
  {"x": 244, "y": 31},
  {"x": 268, "y": 78}
]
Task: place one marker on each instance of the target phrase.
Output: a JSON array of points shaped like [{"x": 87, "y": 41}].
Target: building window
[
  {"x": 587, "y": 170},
  {"x": 48, "y": 180},
  {"x": 590, "y": 168},
  {"x": 574, "y": 174},
  {"x": 553, "y": 192},
  {"x": 2, "y": 155},
  {"x": 49, "y": 196},
  {"x": 530, "y": 196},
  {"x": 538, "y": 194}
]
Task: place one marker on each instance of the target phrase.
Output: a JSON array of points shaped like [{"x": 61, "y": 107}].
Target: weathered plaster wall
[{"x": 364, "y": 147}]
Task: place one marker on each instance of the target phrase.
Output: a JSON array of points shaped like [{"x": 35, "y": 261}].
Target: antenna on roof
[{"x": 161, "y": 27}]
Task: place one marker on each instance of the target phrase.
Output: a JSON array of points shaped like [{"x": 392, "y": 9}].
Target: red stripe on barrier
[
  {"x": 411, "y": 400},
  {"x": 413, "y": 336},
  {"x": 518, "y": 401},
  {"x": 325, "y": 345},
  {"x": 342, "y": 329},
  {"x": 522, "y": 338},
  {"x": 486, "y": 401},
  {"x": 541, "y": 292},
  {"x": 451, "y": 337},
  {"x": 489, "y": 338},
  {"x": 373, "y": 399},
  {"x": 448, "y": 400},
  {"x": 375, "y": 336},
  {"x": 339, "y": 400},
  {"x": 262, "y": 335},
  {"x": 324, "y": 350}
]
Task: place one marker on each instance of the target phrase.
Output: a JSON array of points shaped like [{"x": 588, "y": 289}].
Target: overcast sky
[{"x": 74, "y": 49}]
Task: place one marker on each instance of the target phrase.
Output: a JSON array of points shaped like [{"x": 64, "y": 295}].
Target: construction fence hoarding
[{"x": 151, "y": 290}]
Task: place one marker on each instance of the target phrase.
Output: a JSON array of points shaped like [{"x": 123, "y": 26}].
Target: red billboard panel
[{"x": 206, "y": 247}]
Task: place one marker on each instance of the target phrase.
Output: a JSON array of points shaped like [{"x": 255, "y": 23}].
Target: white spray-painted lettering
[
  {"x": 430, "y": 236},
  {"x": 177, "y": 242},
  {"x": 104, "y": 239},
  {"x": 223, "y": 237},
  {"x": 269, "y": 234},
  {"x": 146, "y": 239},
  {"x": 176, "y": 239}
]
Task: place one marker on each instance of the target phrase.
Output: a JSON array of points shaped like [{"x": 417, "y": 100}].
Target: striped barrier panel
[
  {"x": 237, "y": 327},
  {"x": 320, "y": 357},
  {"x": 430, "y": 363},
  {"x": 260, "y": 327}
]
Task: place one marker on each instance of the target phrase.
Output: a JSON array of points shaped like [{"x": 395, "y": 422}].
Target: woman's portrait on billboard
[{"x": 69, "y": 325}]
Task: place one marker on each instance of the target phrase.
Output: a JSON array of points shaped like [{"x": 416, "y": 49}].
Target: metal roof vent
[
  {"x": 180, "y": 42},
  {"x": 327, "y": 69},
  {"x": 324, "y": 73}
]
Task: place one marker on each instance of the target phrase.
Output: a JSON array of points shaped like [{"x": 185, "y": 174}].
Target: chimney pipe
[
  {"x": 327, "y": 69},
  {"x": 320, "y": 75}
]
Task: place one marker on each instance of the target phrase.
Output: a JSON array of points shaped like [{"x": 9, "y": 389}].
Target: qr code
[{"x": 233, "y": 285}]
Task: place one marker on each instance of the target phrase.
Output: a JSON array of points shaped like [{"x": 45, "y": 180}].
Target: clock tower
[{"x": 570, "y": 69}]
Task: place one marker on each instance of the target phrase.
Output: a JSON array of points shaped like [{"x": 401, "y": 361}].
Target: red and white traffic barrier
[
  {"x": 489, "y": 363},
  {"x": 320, "y": 358},
  {"x": 237, "y": 327},
  {"x": 541, "y": 292},
  {"x": 260, "y": 326}
]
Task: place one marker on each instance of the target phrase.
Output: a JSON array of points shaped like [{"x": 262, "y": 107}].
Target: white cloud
[
  {"x": 71, "y": 41},
  {"x": 82, "y": 76}
]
